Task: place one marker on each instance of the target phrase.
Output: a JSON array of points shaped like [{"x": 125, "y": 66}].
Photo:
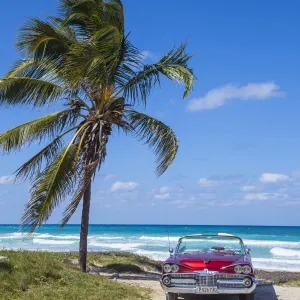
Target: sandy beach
[{"x": 264, "y": 292}]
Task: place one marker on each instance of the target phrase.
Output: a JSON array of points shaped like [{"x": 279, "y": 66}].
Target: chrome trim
[
  {"x": 228, "y": 282},
  {"x": 238, "y": 264},
  {"x": 221, "y": 282}
]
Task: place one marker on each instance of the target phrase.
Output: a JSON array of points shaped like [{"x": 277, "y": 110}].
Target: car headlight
[
  {"x": 167, "y": 268},
  {"x": 175, "y": 268},
  {"x": 238, "y": 269},
  {"x": 242, "y": 269},
  {"x": 247, "y": 269}
]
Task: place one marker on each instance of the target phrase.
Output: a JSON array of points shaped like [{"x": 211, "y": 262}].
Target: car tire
[
  {"x": 247, "y": 297},
  {"x": 171, "y": 296}
]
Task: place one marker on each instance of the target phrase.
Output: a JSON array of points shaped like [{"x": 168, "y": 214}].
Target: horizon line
[{"x": 165, "y": 225}]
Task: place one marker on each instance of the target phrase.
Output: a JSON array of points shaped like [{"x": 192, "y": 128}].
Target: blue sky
[{"x": 239, "y": 156}]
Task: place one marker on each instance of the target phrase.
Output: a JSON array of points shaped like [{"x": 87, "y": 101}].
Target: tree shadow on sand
[{"x": 264, "y": 292}]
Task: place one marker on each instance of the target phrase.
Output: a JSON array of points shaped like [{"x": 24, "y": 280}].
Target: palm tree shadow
[{"x": 263, "y": 292}]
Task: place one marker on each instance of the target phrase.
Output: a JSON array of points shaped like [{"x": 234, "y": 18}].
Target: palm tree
[{"x": 83, "y": 60}]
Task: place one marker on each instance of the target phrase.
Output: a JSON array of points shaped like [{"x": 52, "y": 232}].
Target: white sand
[{"x": 261, "y": 293}]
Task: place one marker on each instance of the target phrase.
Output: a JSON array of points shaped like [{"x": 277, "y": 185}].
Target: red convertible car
[{"x": 209, "y": 264}]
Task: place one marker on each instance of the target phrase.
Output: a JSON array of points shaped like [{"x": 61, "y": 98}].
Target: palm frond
[
  {"x": 128, "y": 60},
  {"x": 50, "y": 188},
  {"x": 48, "y": 155},
  {"x": 158, "y": 136},
  {"x": 84, "y": 63},
  {"x": 173, "y": 65},
  {"x": 40, "y": 39},
  {"x": 33, "y": 165},
  {"x": 88, "y": 16},
  {"x": 37, "y": 69},
  {"x": 48, "y": 126},
  {"x": 29, "y": 91},
  {"x": 53, "y": 185},
  {"x": 94, "y": 62}
]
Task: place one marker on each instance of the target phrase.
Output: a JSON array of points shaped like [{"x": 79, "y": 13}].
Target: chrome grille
[{"x": 202, "y": 280}]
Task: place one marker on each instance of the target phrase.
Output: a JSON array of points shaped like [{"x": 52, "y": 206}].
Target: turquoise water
[{"x": 273, "y": 248}]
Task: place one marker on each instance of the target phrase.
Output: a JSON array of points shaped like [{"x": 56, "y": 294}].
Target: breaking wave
[
  {"x": 121, "y": 247},
  {"x": 285, "y": 252},
  {"x": 271, "y": 243},
  {"x": 15, "y": 235},
  {"x": 256, "y": 243},
  {"x": 276, "y": 264},
  {"x": 160, "y": 238},
  {"x": 52, "y": 242},
  {"x": 156, "y": 255},
  {"x": 58, "y": 237}
]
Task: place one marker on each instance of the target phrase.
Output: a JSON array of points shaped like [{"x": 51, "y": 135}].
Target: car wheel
[
  {"x": 171, "y": 296},
  {"x": 247, "y": 297}
]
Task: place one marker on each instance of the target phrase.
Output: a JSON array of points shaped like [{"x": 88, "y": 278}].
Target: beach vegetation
[{"x": 44, "y": 275}]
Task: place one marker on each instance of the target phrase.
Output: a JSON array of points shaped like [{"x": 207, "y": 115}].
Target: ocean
[{"x": 272, "y": 248}]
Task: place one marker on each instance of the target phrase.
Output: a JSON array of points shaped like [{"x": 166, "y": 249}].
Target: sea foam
[
  {"x": 160, "y": 238},
  {"x": 52, "y": 242},
  {"x": 58, "y": 237},
  {"x": 156, "y": 255},
  {"x": 285, "y": 252},
  {"x": 256, "y": 243},
  {"x": 117, "y": 246}
]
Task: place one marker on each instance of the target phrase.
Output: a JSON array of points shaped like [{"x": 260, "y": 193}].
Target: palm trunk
[{"x": 84, "y": 227}]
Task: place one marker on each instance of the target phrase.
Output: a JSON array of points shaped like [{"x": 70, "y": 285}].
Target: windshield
[{"x": 211, "y": 244}]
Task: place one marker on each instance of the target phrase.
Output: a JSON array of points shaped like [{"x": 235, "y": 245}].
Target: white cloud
[
  {"x": 110, "y": 176},
  {"x": 296, "y": 174},
  {"x": 164, "y": 189},
  {"x": 162, "y": 196},
  {"x": 223, "y": 203},
  {"x": 248, "y": 188},
  {"x": 205, "y": 182},
  {"x": 273, "y": 178},
  {"x": 124, "y": 186},
  {"x": 217, "y": 180},
  {"x": 266, "y": 196},
  {"x": 6, "y": 179},
  {"x": 219, "y": 96},
  {"x": 257, "y": 196},
  {"x": 289, "y": 203}
]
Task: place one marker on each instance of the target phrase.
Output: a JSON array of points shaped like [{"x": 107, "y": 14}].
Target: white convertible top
[
  {"x": 225, "y": 234},
  {"x": 200, "y": 234}
]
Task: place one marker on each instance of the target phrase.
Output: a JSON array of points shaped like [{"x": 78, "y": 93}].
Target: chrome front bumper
[{"x": 207, "y": 283}]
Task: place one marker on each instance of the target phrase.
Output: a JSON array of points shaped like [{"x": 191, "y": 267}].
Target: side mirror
[
  {"x": 248, "y": 250},
  {"x": 171, "y": 251}
]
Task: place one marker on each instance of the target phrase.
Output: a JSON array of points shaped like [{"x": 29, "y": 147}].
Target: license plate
[{"x": 208, "y": 290}]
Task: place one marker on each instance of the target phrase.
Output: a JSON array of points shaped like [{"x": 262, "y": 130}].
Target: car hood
[{"x": 210, "y": 261}]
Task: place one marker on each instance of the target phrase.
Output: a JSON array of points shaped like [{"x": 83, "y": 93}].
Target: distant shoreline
[
  {"x": 272, "y": 248},
  {"x": 277, "y": 275},
  {"x": 264, "y": 276}
]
